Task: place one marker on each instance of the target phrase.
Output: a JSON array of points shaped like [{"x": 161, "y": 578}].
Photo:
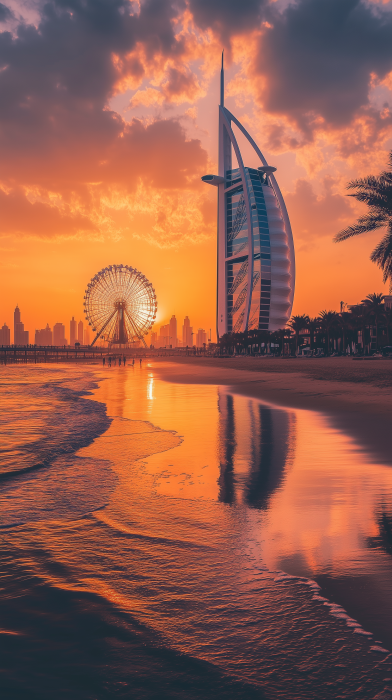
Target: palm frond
[
  {"x": 382, "y": 255},
  {"x": 376, "y": 192},
  {"x": 371, "y": 182},
  {"x": 366, "y": 183},
  {"x": 375, "y": 200},
  {"x": 366, "y": 223}
]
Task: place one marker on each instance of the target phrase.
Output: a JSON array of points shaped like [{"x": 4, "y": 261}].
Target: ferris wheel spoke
[
  {"x": 112, "y": 328},
  {"x": 103, "y": 328},
  {"x": 136, "y": 330}
]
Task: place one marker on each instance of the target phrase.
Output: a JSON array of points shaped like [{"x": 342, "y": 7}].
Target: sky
[{"x": 109, "y": 118}]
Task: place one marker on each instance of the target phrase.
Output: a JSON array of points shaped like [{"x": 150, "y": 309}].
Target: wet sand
[{"x": 355, "y": 394}]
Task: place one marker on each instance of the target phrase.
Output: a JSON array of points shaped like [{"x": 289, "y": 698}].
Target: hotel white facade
[{"x": 256, "y": 262}]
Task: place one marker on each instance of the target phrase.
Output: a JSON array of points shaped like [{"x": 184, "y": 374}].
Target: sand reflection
[
  {"x": 303, "y": 496},
  {"x": 322, "y": 496},
  {"x": 256, "y": 443}
]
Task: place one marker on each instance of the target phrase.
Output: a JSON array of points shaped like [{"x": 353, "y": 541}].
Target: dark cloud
[
  {"x": 180, "y": 82},
  {"x": 317, "y": 58},
  {"x": 227, "y": 17},
  {"x": 57, "y": 133},
  {"x": 5, "y": 13},
  {"x": 70, "y": 55}
]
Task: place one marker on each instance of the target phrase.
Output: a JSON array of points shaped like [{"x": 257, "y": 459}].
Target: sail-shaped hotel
[{"x": 256, "y": 265}]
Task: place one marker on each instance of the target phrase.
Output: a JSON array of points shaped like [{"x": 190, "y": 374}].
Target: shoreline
[{"x": 356, "y": 396}]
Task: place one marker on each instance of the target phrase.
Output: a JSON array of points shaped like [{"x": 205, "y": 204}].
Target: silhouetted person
[
  {"x": 103, "y": 361},
  {"x": 133, "y": 362},
  {"x": 140, "y": 362}
]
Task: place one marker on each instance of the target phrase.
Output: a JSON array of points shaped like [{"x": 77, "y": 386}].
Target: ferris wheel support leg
[
  {"x": 139, "y": 335},
  {"x": 103, "y": 328}
]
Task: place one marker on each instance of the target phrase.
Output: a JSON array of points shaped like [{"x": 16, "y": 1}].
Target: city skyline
[
  {"x": 79, "y": 331},
  {"x": 167, "y": 335},
  {"x": 48, "y": 335}
]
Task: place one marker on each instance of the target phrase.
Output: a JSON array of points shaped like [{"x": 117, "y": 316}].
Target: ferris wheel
[{"x": 120, "y": 305}]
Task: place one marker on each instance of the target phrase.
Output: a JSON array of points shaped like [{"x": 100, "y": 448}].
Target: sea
[{"x": 162, "y": 540}]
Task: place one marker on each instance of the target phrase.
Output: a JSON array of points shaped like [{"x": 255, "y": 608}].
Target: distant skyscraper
[
  {"x": 256, "y": 266},
  {"x": 187, "y": 333},
  {"x": 164, "y": 334},
  {"x": 201, "y": 338},
  {"x": 72, "y": 332},
  {"x": 58, "y": 334},
  {"x": 87, "y": 336},
  {"x": 44, "y": 336},
  {"x": 80, "y": 332},
  {"x": 154, "y": 339},
  {"x": 5, "y": 335},
  {"x": 21, "y": 337},
  {"x": 173, "y": 331}
]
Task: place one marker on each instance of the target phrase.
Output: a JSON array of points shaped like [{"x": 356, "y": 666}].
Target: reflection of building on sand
[{"x": 255, "y": 445}]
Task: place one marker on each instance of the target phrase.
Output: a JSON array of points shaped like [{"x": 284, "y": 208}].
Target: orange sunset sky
[{"x": 108, "y": 120}]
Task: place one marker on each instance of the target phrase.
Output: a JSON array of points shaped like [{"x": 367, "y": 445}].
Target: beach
[
  {"x": 181, "y": 537},
  {"x": 355, "y": 393}
]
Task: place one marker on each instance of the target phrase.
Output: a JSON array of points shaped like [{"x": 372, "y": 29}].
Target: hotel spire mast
[
  {"x": 256, "y": 261},
  {"x": 222, "y": 84}
]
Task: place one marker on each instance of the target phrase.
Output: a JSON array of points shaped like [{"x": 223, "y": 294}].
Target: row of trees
[{"x": 329, "y": 326}]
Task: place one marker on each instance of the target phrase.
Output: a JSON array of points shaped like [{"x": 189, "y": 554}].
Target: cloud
[
  {"x": 317, "y": 59},
  {"x": 178, "y": 86},
  {"x": 5, "y": 13},
  {"x": 227, "y": 18},
  {"x": 313, "y": 216},
  {"x": 60, "y": 142},
  {"x": 67, "y": 154},
  {"x": 159, "y": 153},
  {"x": 19, "y": 216}
]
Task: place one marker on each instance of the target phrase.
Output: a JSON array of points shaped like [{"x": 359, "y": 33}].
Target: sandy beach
[{"x": 356, "y": 394}]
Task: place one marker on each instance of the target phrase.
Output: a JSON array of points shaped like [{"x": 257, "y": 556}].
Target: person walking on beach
[
  {"x": 133, "y": 362},
  {"x": 140, "y": 362},
  {"x": 103, "y": 361},
  {"x": 110, "y": 361}
]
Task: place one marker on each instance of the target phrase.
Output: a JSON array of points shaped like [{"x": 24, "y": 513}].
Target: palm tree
[
  {"x": 328, "y": 321},
  {"x": 279, "y": 336},
  {"x": 345, "y": 321},
  {"x": 374, "y": 305},
  {"x": 359, "y": 318},
  {"x": 376, "y": 192},
  {"x": 226, "y": 343},
  {"x": 298, "y": 323},
  {"x": 313, "y": 324},
  {"x": 388, "y": 319}
]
